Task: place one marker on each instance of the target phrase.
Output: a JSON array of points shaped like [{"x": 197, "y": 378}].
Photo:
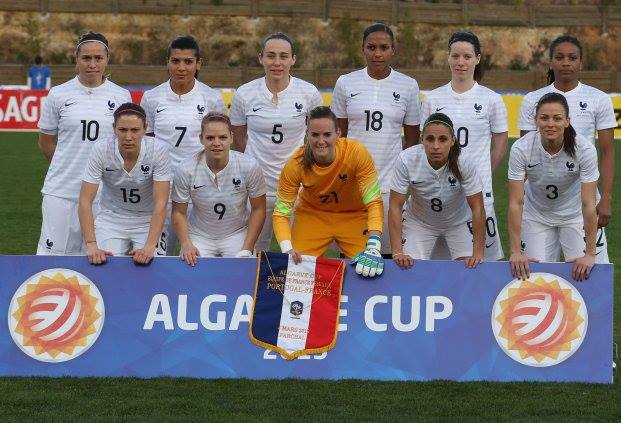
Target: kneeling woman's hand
[
  {"x": 96, "y": 255},
  {"x": 582, "y": 266},
  {"x": 473, "y": 261},
  {"x": 143, "y": 255},
  {"x": 519, "y": 265},
  {"x": 295, "y": 255},
  {"x": 404, "y": 261},
  {"x": 189, "y": 253}
]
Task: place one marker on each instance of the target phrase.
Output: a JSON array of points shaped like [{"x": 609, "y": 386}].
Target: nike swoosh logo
[
  {"x": 416, "y": 183},
  {"x": 487, "y": 246},
  {"x": 256, "y": 109},
  {"x": 160, "y": 110},
  {"x": 354, "y": 94},
  {"x": 197, "y": 187},
  {"x": 440, "y": 108},
  {"x": 529, "y": 166},
  {"x": 110, "y": 170},
  {"x": 69, "y": 103}
]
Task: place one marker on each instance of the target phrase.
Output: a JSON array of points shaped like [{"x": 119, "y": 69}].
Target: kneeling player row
[{"x": 340, "y": 199}]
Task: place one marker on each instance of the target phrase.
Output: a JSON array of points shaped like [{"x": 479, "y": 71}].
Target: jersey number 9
[{"x": 219, "y": 208}]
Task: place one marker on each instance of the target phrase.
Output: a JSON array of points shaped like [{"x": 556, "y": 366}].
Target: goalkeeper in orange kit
[{"x": 340, "y": 198}]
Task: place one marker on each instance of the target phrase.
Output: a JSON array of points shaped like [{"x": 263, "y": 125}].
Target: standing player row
[{"x": 269, "y": 118}]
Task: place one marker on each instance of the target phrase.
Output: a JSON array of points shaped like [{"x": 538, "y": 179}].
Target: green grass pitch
[{"x": 22, "y": 172}]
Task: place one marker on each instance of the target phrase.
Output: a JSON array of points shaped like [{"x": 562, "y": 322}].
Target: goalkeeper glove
[{"x": 369, "y": 262}]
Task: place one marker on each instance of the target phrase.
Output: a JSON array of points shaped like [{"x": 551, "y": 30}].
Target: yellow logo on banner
[
  {"x": 56, "y": 315},
  {"x": 541, "y": 321}
]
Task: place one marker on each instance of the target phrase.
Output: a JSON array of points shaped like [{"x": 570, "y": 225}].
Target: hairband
[
  {"x": 91, "y": 41},
  {"x": 441, "y": 122},
  {"x": 119, "y": 112}
]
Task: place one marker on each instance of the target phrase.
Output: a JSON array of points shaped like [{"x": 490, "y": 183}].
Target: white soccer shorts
[
  {"x": 225, "y": 247},
  {"x": 542, "y": 241},
  {"x": 493, "y": 246},
  {"x": 60, "y": 228},
  {"x": 121, "y": 236},
  {"x": 419, "y": 240}
]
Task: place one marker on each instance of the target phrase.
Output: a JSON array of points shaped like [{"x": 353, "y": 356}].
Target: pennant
[{"x": 296, "y": 306}]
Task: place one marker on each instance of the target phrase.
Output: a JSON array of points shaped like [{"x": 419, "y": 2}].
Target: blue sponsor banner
[{"x": 435, "y": 321}]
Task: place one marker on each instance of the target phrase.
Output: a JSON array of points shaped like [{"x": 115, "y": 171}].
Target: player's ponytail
[
  {"x": 320, "y": 112},
  {"x": 469, "y": 37},
  {"x": 455, "y": 151},
  {"x": 557, "y": 41},
  {"x": 569, "y": 134}
]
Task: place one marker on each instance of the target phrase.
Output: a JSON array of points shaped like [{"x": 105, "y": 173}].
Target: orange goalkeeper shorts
[{"x": 313, "y": 232}]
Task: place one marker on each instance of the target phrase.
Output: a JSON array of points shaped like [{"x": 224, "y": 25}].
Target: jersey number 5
[{"x": 277, "y": 136}]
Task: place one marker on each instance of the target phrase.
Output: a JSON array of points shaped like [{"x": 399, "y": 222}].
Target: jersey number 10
[{"x": 90, "y": 130}]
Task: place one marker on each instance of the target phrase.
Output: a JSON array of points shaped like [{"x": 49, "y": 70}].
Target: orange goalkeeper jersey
[{"x": 348, "y": 185}]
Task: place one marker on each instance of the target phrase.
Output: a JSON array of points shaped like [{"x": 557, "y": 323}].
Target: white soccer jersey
[
  {"x": 78, "y": 115},
  {"x": 553, "y": 182},
  {"x": 275, "y": 131},
  {"x": 438, "y": 198},
  {"x": 589, "y": 109},
  {"x": 376, "y": 109},
  {"x": 127, "y": 195},
  {"x": 220, "y": 201},
  {"x": 176, "y": 119},
  {"x": 476, "y": 114}
]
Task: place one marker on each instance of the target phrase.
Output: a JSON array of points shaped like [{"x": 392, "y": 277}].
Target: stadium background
[{"x": 23, "y": 169}]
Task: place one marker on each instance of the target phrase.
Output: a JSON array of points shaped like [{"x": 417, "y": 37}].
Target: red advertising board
[{"x": 20, "y": 109}]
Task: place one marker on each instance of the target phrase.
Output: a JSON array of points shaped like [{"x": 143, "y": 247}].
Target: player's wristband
[
  {"x": 90, "y": 242},
  {"x": 286, "y": 245}
]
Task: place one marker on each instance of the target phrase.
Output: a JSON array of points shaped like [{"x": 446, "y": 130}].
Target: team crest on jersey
[
  {"x": 236, "y": 183},
  {"x": 478, "y": 108},
  {"x": 396, "y": 96},
  {"x": 570, "y": 166},
  {"x": 540, "y": 321},
  {"x": 453, "y": 181},
  {"x": 56, "y": 315},
  {"x": 343, "y": 177},
  {"x": 298, "y": 107},
  {"x": 145, "y": 169},
  {"x": 583, "y": 105},
  {"x": 111, "y": 105},
  {"x": 200, "y": 109},
  {"x": 522, "y": 246}
]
